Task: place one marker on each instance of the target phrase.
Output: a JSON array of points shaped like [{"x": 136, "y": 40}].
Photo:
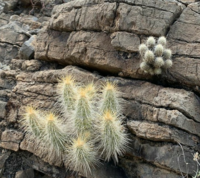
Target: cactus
[
  {"x": 77, "y": 136},
  {"x": 162, "y": 40},
  {"x": 151, "y": 42},
  {"x": 32, "y": 122},
  {"x": 168, "y": 63},
  {"x": 149, "y": 57},
  {"x": 67, "y": 90},
  {"x": 158, "y": 50},
  {"x": 81, "y": 155},
  {"x": 145, "y": 67},
  {"x": 82, "y": 117},
  {"x": 143, "y": 48},
  {"x": 113, "y": 139},
  {"x": 156, "y": 57},
  {"x": 159, "y": 62},
  {"x": 54, "y": 134},
  {"x": 110, "y": 100}
]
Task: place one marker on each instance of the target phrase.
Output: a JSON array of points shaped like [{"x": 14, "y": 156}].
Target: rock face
[{"x": 101, "y": 37}]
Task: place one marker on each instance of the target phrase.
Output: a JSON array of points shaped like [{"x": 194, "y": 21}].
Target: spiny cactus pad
[{"x": 155, "y": 56}]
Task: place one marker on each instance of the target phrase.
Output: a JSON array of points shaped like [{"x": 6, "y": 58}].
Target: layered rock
[{"x": 161, "y": 116}]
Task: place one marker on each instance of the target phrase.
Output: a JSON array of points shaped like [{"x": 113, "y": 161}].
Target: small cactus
[
  {"x": 54, "y": 134},
  {"x": 155, "y": 57},
  {"x": 162, "y": 40},
  {"x": 143, "y": 48},
  {"x": 151, "y": 42},
  {"x": 32, "y": 122},
  {"x": 81, "y": 156},
  {"x": 149, "y": 57},
  {"x": 82, "y": 117},
  {"x": 168, "y": 63},
  {"x": 67, "y": 90},
  {"x": 110, "y": 100},
  {"x": 113, "y": 139}
]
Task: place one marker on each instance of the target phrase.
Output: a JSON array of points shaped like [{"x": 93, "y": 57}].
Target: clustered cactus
[
  {"x": 155, "y": 56},
  {"x": 90, "y": 127}
]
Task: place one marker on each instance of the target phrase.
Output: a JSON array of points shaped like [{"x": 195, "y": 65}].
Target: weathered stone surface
[
  {"x": 2, "y": 5},
  {"x": 158, "y": 132},
  {"x": 26, "y": 22},
  {"x": 161, "y": 115},
  {"x": 10, "y": 5},
  {"x": 175, "y": 107},
  {"x": 102, "y": 17},
  {"x": 2, "y": 109},
  {"x": 94, "y": 17},
  {"x": 4, "y": 19},
  {"x": 28, "y": 173},
  {"x": 12, "y": 33},
  {"x": 183, "y": 38},
  {"x": 7, "y": 52},
  {"x": 27, "y": 50},
  {"x": 124, "y": 41},
  {"x": 168, "y": 156},
  {"x": 31, "y": 144},
  {"x": 3, "y": 157},
  {"x": 135, "y": 168},
  {"x": 163, "y": 122},
  {"x": 10, "y": 139}
]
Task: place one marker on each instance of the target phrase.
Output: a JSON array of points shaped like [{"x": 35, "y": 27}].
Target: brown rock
[
  {"x": 158, "y": 132},
  {"x": 40, "y": 149},
  {"x": 2, "y": 109},
  {"x": 124, "y": 41},
  {"x": 10, "y": 139},
  {"x": 96, "y": 17}
]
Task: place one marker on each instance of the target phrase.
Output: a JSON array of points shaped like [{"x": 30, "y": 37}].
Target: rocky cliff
[{"x": 95, "y": 40}]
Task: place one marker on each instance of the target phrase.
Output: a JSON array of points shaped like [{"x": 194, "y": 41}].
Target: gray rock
[
  {"x": 10, "y": 5},
  {"x": 3, "y": 157},
  {"x": 28, "y": 48},
  {"x": 2, "y": 6},
  {"x": 28, "y": 173}
]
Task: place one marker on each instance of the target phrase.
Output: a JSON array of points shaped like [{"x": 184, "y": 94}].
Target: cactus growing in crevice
[
  {"x": 67, "y": 90},
  {"x": 82, "y": 117},
  {"x": 54, "y": 134},
  {"x": 155, "y": 56},
  {"x": 110, "y": 99},
  {"x": 32, "y": 122},
  {"x": 113, "y": 139},
  {"x": 81, "y": 155},
  {"x": 91, "y": 129}
]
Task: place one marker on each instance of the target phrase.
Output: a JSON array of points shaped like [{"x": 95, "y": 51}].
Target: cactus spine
[{"x": 155, "y": 56}]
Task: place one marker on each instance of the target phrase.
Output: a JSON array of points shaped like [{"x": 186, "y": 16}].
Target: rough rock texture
[{"x": 102, "y": 36}]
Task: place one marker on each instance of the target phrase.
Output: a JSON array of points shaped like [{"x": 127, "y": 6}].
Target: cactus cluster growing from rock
[
  {"x": 90, "y": 128},
  {"x": 155, "y": 56}
]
